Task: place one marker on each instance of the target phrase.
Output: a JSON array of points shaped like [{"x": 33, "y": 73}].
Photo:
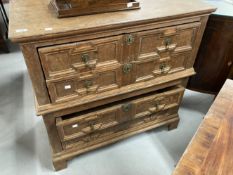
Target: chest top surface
[{"x": 30, "y": 19}]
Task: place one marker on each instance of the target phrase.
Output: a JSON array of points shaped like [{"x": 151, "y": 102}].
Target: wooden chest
[{"x": 101, "y": 78}]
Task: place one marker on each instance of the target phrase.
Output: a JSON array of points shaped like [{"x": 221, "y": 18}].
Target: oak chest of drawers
[{"x": 101, "y": 78}]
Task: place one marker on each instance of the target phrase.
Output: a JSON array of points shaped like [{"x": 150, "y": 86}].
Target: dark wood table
[{"x": 211, "y": 150}]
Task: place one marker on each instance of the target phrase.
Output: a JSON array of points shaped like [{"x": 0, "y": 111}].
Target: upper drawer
[
  {"x": 67, "y": 59},
  {"x": 105, "y": 79},
  {"x": 95, "y": 66},
  {"x": 162, "y": 42},
  {"x": 163, "y": 51}
]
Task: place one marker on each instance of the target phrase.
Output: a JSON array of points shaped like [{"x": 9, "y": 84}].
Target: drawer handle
[
  {"x": 127, "y": 68},
  {"x": 167, "y": 42},
  {"x": 126, "y": 107},
  {"x": 87, "y": 61},
  {"x": 129, "y": 39},
  {"x": 85, "y": 58},
  {"x": 88, "y": 84},
  {"x": 164, "y": 68}
]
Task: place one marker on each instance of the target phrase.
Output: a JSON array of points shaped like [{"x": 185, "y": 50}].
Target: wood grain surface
[
  {"x": 83, "y": 7},
  {"x": 83, "y": 67},
  {"x": 41, "y": 23},
  {"x": 211, "y": 149}
]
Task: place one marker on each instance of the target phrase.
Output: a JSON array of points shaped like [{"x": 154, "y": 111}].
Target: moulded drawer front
[
  {"x": 121, "y": 130},
  {"x": 164, "y": 51},
  {"x": 160, "y": 67},
  {"x": 146, "y": 108},
  {"x": 87, "y": 69},
  {"x": 79, "y": 126},
  {"x": 81, "y": 57},
  {"x": 150, "y": 105},
  {"x": 73, "y": 87},
  {"x": 161, "y": 42}
]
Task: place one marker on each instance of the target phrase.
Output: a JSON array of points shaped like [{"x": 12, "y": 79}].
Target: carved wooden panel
[
  {"x": 85, "y": 128},
  {"x": 79, "y": 69},
  {"x": 120, "y": 130},
  {"x": 81, "y": 57},
  {"x": 87, "y": 124},
  {"x": 152, "y": 104},
  {"x": 67, "y": 88},
  {"x": 163, "y": 51}
]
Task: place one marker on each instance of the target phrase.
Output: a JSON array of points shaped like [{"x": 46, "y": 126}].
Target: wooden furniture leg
[
  {"x": 59, "y": 165},
  {"x": 173, "y": 125}
]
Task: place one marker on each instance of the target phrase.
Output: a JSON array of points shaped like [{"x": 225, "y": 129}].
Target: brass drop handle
[
  {"x": 87, "y": 60},
  {"x": 126, "y": 107},
  {"x": 162, "y": 67},
  {"x": 88, "y": 84},
  {"x": 167, "y": 42},
  {"x": 169, "y": 46},
  {"x": 127, "y": 68}
]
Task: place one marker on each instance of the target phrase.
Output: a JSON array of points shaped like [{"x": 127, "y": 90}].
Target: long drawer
[
  {"x": 89, "y": 128},
  {"x": 75, "y": 70}
]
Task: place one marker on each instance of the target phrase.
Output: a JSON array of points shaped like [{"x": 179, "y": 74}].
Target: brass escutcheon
[
  {"x": 129, "y": 39},
  {"x": 88, "y": 84},
  {"x": 162, "y": 67},
  {"x": 85, "y": 58},
  {"x": 127, "y": 68},
  {"x": 167, "y": 41},
  {"x": 126, "y": 107}
]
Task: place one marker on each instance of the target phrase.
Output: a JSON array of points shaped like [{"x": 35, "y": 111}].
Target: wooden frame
[{"x": 70, "y": 8}]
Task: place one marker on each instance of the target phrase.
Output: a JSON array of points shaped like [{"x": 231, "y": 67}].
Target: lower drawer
[
  {"x": 88, "y": 128},
  {"x": 125, "y": 129}
]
